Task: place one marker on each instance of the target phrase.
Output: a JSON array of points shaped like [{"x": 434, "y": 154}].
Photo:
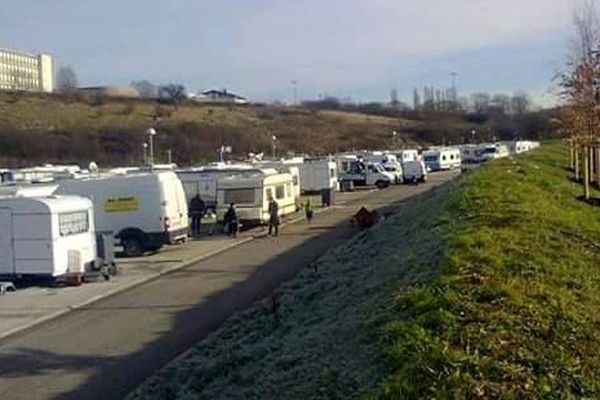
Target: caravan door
[{"x": 7, "y": 256}]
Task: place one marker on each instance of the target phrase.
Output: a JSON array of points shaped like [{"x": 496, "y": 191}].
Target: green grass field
[{"x": 486, "y": 287}]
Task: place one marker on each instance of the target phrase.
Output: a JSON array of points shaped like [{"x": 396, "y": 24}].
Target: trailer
[
  {"x": 144, "y": 211},
  {"x": 47, "y": 237},
  {"x": 444, "y": 158},
  {"x": 251, "y": 191},
  {"x": 202, "y": 181},
  {"x": 493, "y": 151}
]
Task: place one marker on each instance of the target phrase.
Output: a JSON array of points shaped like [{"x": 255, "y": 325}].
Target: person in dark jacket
[
  {"x": 273, "y": 217},
  {"x": 230, "y": 220},
  {"x": 197, "y": 209}
]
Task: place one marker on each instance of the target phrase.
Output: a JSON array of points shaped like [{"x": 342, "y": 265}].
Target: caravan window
[
  {"x": 239, "y": 196},
  {"x": 279, "y": 192},
  {"x": 72, "y": 223},
  {"x": 444, "y": 157}
]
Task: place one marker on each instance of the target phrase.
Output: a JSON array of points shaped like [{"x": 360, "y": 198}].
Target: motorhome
[
  {"x": 443, "y": 158},
  {"x": 493, "y": 151},
  {"x": 388, "y": 161},
  {"x": 362, "y": 173},
  {"x": 144, "y": 211},
  {"x": 50, "y": 237},
  {"x": 251, "y": 191}
]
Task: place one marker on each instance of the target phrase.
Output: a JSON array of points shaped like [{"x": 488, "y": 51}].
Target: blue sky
[{"x": 357, "y": 48}]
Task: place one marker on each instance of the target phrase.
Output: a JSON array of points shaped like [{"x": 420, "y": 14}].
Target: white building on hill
[{"x": 26, "y": 72}]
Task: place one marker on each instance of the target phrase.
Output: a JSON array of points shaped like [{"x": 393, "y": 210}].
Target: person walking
[
  {"x": 197, "y": 209},
  {"x": 308, "y": 211},
  {"x": 273, "y": 217},
  {"x": 230, "y": 221}
]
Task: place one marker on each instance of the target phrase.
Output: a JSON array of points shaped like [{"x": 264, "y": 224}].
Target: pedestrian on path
[
  {"x": 197, "y": 209},
  {"x": 273, "y": 217},
  {"x": 230, "y": 221},
  {"x": 308, "y": 211}
]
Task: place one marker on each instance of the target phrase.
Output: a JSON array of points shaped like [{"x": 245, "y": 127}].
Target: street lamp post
[
  {"x": 145, "y": 153},
  {"x": 274, "y": 145},
  {"x": 151, "y": 132},
  {"x": 473, "y": 132},
  {"x": 394, "y": 133}
]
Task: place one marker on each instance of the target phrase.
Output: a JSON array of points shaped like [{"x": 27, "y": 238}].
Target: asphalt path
[{"x": 106, "y": 349}]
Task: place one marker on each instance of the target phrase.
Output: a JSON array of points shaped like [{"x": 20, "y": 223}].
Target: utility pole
[{"x": 295, "y": 88}]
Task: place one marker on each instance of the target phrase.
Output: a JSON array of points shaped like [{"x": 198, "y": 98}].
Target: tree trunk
[
  {"x": 591, "y": 164},
  {"x": 586, "y": 173},
  {"x": 597, "y": 151},
  {"x": 571, "y": 156},
  {"x": 577, "y": 150}
]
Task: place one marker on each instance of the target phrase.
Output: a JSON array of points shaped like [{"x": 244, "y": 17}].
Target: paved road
[{"x": 106, "y": 349}]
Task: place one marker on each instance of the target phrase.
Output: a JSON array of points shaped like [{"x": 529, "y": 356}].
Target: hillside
[
  {"x": 486, "y": 287},
  {"x": 39, "y": 128},
  {"x": 42, "y": 128}
]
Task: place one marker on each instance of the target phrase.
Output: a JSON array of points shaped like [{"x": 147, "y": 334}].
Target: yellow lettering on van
[{"x": 121, "y": 204}]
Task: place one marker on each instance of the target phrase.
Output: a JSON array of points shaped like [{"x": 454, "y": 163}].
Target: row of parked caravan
[
  {"x": 62, "y": 221},
  {"x": 478, "y": 153}
]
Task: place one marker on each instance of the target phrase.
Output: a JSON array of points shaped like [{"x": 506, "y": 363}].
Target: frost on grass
[{"x": 323, "y": 341}]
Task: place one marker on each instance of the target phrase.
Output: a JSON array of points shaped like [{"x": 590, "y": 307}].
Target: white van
[
  {"x": 251, "y": 192},
  {"x": 51, "y": 237},
  {"x": 144, "y": 211},
  {"x": 414, "y": 171},
  {"x": 408, "y": 155},
  {"x": 443, "y": 158},
  {"x": 389, "y": 162}
]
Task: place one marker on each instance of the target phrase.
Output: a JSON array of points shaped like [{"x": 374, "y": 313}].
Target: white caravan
[
  {"x": 493, "y": 151},
  {"x": 443, "y": 158},
  {"x": 251, "y": 191},
  {"x": 51, "y": 237},
  {"x": 522, "y": 146},
  {"x": 202, "y": 181},
  {"x": 144, "y": 211},
  {"x": 317, "y": 175}
]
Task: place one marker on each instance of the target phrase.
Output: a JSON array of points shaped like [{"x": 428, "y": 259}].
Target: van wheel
[
  {"x": 132, "y": 247},
  {"x": 381, "y": 184}
]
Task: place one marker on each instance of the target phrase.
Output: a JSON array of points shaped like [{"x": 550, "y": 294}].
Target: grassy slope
[
  {"x": 484, "y": 288},
  {"x": 325, "y": 344},
  {"x": 514, "y": 310}
]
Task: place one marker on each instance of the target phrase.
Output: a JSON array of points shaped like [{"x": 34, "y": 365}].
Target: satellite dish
[{"x": 93, "y": 168}]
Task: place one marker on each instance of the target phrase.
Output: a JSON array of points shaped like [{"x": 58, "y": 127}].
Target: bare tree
[
  {"x": 145, "y": 88},
  {"x": 480, "y": 101},
  {"x": 520, "y": 103},
  {"x": 173, "y": 93},
  {"x": 66, "y": 79},
  {"x": 501, "y": 102}
]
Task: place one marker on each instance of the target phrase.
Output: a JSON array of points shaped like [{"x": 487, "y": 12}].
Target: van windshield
[{"x": 430, "y": 158}]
